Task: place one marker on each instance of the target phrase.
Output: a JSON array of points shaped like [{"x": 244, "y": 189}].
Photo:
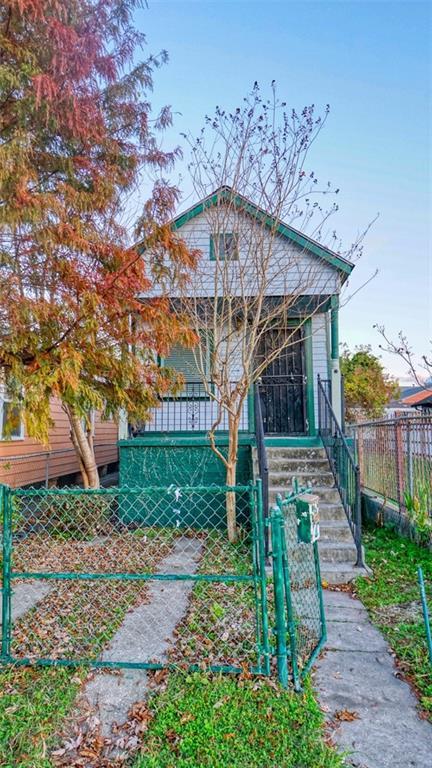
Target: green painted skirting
[{"x": 178, "y": 461}]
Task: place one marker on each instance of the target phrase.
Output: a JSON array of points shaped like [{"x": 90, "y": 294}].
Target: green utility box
[{"x": 307, "y": 514}]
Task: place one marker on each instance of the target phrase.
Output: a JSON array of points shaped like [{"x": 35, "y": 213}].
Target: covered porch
[{"x": 287, "y": 389}]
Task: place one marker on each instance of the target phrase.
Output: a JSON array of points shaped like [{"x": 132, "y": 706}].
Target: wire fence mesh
[
  {"x": 395, "y": 459},
  {"x": 137, "y": 577},
  {"x": 299, "y": 604},
  {"x": 147, "y": 578}
]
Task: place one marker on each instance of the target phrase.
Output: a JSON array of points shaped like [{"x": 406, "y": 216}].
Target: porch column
[{"x": 336, "y": 388}]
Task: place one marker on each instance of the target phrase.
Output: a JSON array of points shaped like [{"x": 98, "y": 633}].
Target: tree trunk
[
  {"x": 231, "y": 474},
  {"x": 83, "y": 445}
]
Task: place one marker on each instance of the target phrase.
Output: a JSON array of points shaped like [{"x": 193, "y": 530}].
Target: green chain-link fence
[
  {"x": 152, "y": 563},
  {"x": 146, "y": 578},
  {"x": 299, "y": 610}
]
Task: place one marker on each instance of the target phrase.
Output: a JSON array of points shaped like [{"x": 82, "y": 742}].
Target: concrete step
[
  {"x": 303, "y": 464},
  {"x": 329, "y": 512},
  {"x": 325, "y": 493},
  {"x": 337, "y": 552},
  {"x": 340, "y": 573},
  {"x": 335, "y": 531},
  {"x": 296, "y": 453},
  {"x": 303, "y": 478},
  {"x": 282, "y": 464}
]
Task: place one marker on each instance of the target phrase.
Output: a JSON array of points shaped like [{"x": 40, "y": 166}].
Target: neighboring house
[
  {"x": 24, "y": 461},
  {"x": 412, "y": 397},
  {"x": 420, "y": 400},
  {"x": 289, "y": 384}
]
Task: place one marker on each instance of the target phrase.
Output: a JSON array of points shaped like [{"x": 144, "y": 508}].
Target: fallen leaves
[{"x": 345, "y": 715}]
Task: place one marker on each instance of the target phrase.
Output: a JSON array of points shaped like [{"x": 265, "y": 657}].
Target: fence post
[
  {"x": 425, "y": 612},
  {"x": 410, "y": 459},
  {"x": 6, "y": 524},
  {"x": 360, "y": 452},
  {"x": 261, "y": 530},
  {"x": 358, "y": 519},
  {"x": 276, "y": 522},
  {"x": 399, "y": 466}
]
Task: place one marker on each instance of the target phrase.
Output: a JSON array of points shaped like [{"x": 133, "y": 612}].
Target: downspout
[{"x": 336, "y": 387}]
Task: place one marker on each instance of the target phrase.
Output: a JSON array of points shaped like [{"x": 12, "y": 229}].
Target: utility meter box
[{"x": 307, "y": 518}]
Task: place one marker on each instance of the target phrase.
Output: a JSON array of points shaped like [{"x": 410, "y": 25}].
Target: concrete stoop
[{"x": 310, "y": 466}]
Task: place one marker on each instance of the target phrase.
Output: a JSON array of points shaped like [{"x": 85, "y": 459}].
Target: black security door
[{"x": 283, "y": 383}]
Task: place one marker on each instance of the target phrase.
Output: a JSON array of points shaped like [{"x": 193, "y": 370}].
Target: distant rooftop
[{"x": 422, "y": 397}]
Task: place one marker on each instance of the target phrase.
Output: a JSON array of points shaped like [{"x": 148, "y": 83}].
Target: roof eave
[{"x": 337, "y": 261}]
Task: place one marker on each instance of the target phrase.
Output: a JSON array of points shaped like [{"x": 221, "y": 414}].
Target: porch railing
[
  {"x": 192, "y": 410},
  {"x": 345, "y": 470}
]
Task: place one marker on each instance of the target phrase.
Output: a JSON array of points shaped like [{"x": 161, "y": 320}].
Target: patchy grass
[
  {"x": 33, "y": 705},
  {"x": 222, "y": 722},
  {"x": 219, "y": 626},
  {"x": 393, "y": 600}
]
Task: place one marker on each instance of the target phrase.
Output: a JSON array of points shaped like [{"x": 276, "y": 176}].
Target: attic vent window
[{"x": 224, "y": 247}]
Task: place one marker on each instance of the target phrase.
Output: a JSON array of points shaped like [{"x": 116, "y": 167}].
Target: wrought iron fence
[
  {"x": 194, "y": 409},
  {"x": 395, "y": 459},
  {"x": 345, "y": 470},
  {"x": 300, "y": 626}
]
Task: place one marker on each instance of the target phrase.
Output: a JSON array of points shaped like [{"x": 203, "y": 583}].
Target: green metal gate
[
  {"x": 98, "y": 562},
  {"x": 154, "y": 567},
  {"x": 300, "y": 627}
]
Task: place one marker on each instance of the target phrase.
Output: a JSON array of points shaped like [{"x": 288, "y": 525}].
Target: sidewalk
[{"x": 371, "y": 712}]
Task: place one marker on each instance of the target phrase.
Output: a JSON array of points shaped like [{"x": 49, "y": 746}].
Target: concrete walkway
[
  {"x": 25, "y": 596},
  {"x": 371, "y": 711},
  {"x": 144, "y": 636}
]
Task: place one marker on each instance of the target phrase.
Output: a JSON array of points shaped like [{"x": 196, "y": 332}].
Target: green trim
[
  {"x": 334, "y": 317},
  {"x": 225, "y": 193},
  {"x": 183, "y": 438},
  {"x": 29, "y": 662},
  {"x": 310, "y": 399},
  {"x": 293, "y": 442},
  {"x": 251, "y": 408},
  {"x": 210, "y": 577},
  {"x": 328, "y": 351}
]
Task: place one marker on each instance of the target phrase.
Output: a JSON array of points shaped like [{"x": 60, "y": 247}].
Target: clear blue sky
[{"x": 372, "y": 62}]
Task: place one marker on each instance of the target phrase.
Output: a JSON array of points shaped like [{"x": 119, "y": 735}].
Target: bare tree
[
  {"x": 256, "y": 280},
  {"x": 419, "y": 370}
]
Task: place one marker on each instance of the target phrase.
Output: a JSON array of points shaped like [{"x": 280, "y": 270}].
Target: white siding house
[{"x": 296, "y": 266}]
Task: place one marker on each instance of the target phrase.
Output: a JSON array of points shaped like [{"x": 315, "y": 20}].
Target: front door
[{"x": 283, "y": 383}]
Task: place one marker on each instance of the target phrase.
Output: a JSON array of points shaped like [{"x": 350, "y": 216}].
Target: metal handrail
[
  {"x": 262, "y": 459},
  {"x": 344, "y": 468}
]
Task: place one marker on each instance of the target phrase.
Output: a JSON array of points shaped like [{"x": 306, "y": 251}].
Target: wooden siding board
[
  {"x": 31, "y": 468},
  {"x": 319, "y": 354},
  {"x": 292, "y": 269}
]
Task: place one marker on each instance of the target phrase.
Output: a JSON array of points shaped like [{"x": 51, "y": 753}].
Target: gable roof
[
  {"x": 285, "y": 230},
  {"x": 422, "y": 397}
]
